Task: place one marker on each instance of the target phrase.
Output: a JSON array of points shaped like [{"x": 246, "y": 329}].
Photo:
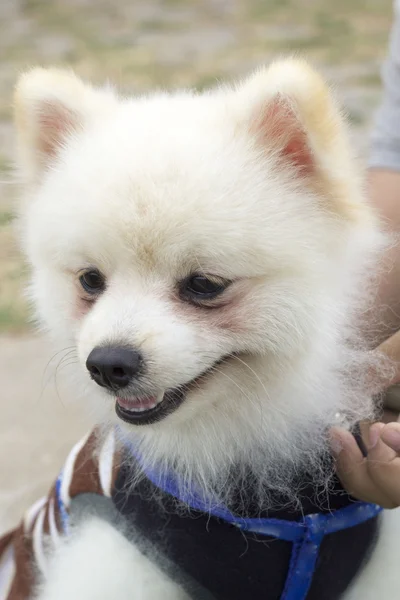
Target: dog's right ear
[{"x": 51, "y": 106}]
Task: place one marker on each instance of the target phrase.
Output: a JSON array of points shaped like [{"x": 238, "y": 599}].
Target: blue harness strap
[
  {"x": 61, "y": 506},
  {"x": 306, "y": 535},
  {"x": 306, "y": 549}
]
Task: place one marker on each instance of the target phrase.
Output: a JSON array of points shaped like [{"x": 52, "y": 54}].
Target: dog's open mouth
[{"x": 146, "y": 410}]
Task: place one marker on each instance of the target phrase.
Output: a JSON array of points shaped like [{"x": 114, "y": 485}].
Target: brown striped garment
[{"x": 91, "y": 466}]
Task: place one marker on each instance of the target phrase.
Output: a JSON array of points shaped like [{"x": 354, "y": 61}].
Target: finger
[
  {"x": 345, "y": 448},
  {"x": 382, "y": 462},
  {"x": 378, "y": 451},
  {"x": 352, "y": 469},
  {"x": 390, "y": 435},
  {"x": 387, "y": 480},
  {"x": 388, "y": 416}
]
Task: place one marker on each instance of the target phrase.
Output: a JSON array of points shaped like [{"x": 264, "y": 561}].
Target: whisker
[
  {"x": 273, "y": 406},
  {"x": 62, "y": 363},
  {"x": 69, "y": 349},
  {"x": 217, "y": 370},
  {"x": 236, "y": 357}
]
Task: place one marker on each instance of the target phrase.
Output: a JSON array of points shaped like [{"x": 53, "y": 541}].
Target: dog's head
[{"x": 200, "y": 251}]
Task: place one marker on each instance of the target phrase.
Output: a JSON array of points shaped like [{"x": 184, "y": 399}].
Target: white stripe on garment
[
  {"x": 54, "y": 535},
  {"x": 32, "y": 513},
  {"x": 7, "y": 571},
  {"x": 106, "y": 461},
  {"x": 37, "y": 542},
  {"x": 69, "y": 469}
]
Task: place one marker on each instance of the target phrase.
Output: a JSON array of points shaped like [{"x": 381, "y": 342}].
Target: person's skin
[
  {"x": 376, "y": 477},
  {"x": 384, "y": 194}
]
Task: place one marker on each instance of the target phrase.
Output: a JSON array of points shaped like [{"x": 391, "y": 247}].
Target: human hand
[{"x": 375, "y": 477}]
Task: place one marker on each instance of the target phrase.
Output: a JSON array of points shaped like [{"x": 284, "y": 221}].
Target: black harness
[{"x": 290, "y": 554}]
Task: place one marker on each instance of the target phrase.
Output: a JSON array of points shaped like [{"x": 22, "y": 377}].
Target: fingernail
[
  {"x": 374, "y": 434},
  {"x": 336, "y": 444},
  {"x": 392, "y": 438}
]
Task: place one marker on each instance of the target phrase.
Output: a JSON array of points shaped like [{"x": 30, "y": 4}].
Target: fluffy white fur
[
  {"x": 254, "y": 183},
  {"x": 98, "y": 563}
]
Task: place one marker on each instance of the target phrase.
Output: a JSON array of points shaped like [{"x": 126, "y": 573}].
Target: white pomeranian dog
[{"x": 208, "y": 256}]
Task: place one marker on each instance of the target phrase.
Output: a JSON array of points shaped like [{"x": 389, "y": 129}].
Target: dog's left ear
[
  {"x": 50, "y": 107},
  {"x": 289, "y": 111}
]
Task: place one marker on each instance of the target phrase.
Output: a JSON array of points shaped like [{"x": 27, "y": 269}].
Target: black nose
[{"x": 113, "y": 367}]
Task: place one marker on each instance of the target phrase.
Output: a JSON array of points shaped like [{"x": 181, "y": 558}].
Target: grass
[
  {"x": 13, "y": 319},
  {"x": 355, "y": 117},
  {"x": 147, "y": 43},
  {"x": 6, "y": 218},
  {"x": 370, "y": 79}
]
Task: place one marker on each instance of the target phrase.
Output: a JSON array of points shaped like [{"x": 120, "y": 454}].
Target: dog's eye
[
  {"x": 202, "y": 287},
  {"x": 92, "y": 281}
]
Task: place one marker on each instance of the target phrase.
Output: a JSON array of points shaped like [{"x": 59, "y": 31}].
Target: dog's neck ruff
[{"x": 306, "y": 534}]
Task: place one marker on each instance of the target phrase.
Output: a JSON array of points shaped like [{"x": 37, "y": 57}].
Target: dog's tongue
[{"x": 138, "y": 404}]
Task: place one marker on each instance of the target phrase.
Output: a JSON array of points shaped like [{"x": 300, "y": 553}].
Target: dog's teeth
[{"x": 141, "y": 405}]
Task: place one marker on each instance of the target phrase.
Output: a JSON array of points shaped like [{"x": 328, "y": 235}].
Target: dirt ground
[
  {"x": 139, "y": 44},
  {"x": 37, "y": 427}
]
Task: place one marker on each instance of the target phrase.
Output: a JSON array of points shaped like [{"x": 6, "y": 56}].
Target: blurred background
[{"x": 140, "y": 44}]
